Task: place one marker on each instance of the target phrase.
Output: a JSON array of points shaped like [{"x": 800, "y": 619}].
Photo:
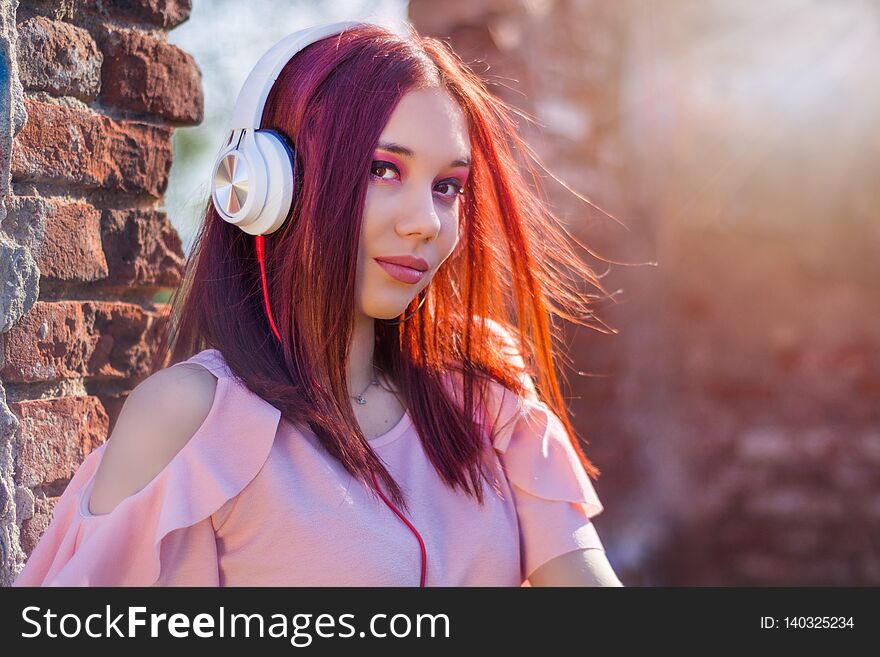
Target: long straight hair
[{"x": 332, "y": 100}]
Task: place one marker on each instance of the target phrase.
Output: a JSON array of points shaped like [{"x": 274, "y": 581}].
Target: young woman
[{"x": 350, "y": 403}]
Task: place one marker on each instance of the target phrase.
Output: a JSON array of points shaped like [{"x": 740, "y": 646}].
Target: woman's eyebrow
[{"x": 403, "y": 150}]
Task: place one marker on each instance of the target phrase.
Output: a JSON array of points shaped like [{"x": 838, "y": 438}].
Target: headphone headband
[
  {"x": 252, "y": 97},
  {"x": 252, "y": 180}
]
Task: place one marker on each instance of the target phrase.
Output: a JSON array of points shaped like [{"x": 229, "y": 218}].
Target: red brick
[
  {"x": 56, "y": 435},
  {"x": 164, "y": 13},
  {"x": 142, "y": 248},
  {"x": 71, "y": 249},
  {"x": 78, "y": 146},
  {"x": 81, "y": 243},
  {"x": 58, "y": 57},
  {"x": 144, "y": 73},
  {"x": 66, "y": 339}
]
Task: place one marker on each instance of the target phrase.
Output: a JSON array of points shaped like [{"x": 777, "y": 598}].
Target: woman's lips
[{"x": 401, "y": 273}]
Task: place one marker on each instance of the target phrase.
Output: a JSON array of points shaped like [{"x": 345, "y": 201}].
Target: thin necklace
[{"x": 360, "y": 398}]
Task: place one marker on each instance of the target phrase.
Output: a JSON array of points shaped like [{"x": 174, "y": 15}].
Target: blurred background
[{"x": 721, "y": 160}]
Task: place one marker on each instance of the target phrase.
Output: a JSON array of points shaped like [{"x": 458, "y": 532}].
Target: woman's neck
[{"x": 359, "y": 368}]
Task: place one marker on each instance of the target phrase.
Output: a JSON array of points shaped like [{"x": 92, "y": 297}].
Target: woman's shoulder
[
  {"x": 159, "y": 416},
  {"x": 179, "y": 412},
  {"x": 177, "y": 481}
]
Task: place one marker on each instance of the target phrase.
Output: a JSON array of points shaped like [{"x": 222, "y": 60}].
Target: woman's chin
[{"x": 386, "y": 312}]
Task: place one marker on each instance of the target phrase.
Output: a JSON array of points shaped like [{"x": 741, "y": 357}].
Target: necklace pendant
[{"x": 360, "y": 400}]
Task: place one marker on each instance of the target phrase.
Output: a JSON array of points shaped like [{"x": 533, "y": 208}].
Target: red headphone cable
[
  {"x": 261, "y": 253},
  {"x": 408, "y": 524}
]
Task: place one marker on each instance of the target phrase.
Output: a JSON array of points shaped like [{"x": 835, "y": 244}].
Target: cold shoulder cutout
[{"x": 139, "y": 542}]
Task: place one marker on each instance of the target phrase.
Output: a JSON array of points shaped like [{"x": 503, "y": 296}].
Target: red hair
[{"x": 332, "y": 100}]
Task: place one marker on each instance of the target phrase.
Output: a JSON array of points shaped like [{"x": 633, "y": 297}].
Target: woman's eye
[
  {"x": 454, "y": 187},
  {"x": 381, "y": 170},
  {"x": 382, "y": 167}
]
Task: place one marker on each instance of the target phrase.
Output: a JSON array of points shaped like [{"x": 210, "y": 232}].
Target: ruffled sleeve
[
  {"x": 163, "y": 534},
  {"x": 554, "y": 497}
]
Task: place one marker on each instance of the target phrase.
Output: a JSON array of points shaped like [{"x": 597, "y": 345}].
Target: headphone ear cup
[
  {"x": 252, "y": 183},
  {"x": 293, "y": 166},
  {"x": 278, "y": 160}
]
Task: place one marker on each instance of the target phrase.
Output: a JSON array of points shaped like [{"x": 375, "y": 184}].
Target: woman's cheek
[{"x": 376, "y": 211}]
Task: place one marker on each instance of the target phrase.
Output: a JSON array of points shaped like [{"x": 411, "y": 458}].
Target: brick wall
[
  {"x": 91, "y": 93},
  {"x": 761, "y": 408}
]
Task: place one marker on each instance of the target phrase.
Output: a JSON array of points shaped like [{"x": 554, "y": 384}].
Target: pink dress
[{"x": 254, "y": 500}]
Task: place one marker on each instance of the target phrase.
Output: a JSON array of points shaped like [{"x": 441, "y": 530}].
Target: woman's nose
[{"x": 422, "y": 220}]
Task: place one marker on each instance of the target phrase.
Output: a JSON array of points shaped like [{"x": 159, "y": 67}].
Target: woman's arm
[{"x": 589, "y": 567}]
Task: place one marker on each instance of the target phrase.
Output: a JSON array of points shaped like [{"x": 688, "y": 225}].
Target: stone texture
[
  {"x": 76, "y": 242},
  {"x": 19, "y": 273},
  {"x": 56, "y": 435},
  {"x": 142, "y": 248},
  {"x": 104, "y": 340},
  {"x": 145, "y": 74},
  {"x": 25, "y": 221},
  {"x": 66, "y": 145},
  {"x": 59, "y": 58},
  {"x": 35, "y": 520},
  {"x": 18, "y": 285},
  {"x": 165, "y": 14},
  {"x": 90, "y": 92},
  {"x": 71, "y": 250}
]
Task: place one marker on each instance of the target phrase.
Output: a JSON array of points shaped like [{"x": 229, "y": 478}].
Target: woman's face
[{"x": 412, "y": 201}]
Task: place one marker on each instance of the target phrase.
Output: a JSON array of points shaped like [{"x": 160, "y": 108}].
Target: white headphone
[{"x": 252, "y": 180}]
